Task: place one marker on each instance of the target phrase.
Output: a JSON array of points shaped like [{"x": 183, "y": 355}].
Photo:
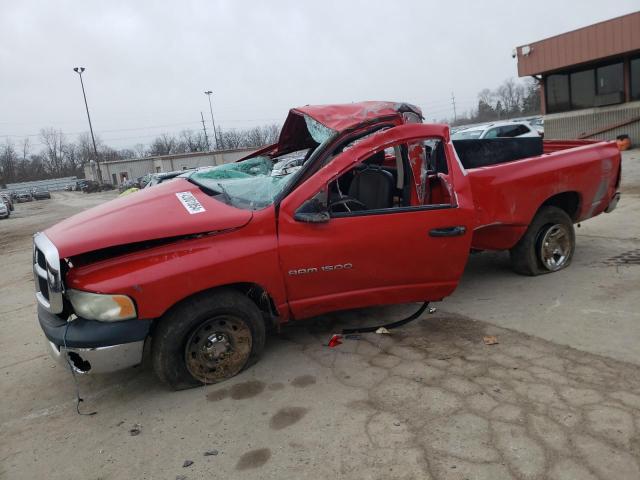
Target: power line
[
  {"x": 100, "y": 132},
  {"x": 103, "y": 131}
]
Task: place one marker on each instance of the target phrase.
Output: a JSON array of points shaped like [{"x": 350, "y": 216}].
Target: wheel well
[
  {"x": 256, "y": 293},
  {"x": 253, "y": 291},
  {"x": 567, "y": 201}
]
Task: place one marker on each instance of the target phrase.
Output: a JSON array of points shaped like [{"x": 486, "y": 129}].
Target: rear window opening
[{"x": 492, "y": 151}]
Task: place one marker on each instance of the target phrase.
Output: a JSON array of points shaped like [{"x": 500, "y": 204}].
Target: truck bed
[{"x": 579, "y": 176}]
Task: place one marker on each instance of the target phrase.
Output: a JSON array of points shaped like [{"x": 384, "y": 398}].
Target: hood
[{"x": 171, "y": 209}]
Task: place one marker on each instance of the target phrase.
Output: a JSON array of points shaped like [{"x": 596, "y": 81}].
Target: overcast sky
[{"x": 148, "y": 61}]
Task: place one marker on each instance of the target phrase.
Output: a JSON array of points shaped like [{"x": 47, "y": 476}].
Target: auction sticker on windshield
[{"x": 190, "y": 202}]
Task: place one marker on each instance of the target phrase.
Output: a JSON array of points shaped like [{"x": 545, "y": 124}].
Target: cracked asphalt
[{"x": 558, "y": 397}]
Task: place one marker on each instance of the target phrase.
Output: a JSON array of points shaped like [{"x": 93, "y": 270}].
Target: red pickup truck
[{"x": 356, "y": 205}]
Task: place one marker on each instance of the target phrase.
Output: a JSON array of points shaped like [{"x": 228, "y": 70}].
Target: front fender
[{"x": 159, "y": 277}]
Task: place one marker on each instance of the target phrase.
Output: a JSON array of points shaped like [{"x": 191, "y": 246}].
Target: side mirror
[
  {"x": 314, "y": 210},
  {"x": 319, "y": 217}
]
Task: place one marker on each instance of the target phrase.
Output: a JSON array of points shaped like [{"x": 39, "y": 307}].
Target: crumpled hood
[{"x": 149, "y": 214}]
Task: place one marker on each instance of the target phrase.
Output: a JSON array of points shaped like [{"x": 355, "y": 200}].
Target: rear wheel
[
  {"x": 548, "y": 244},
  {"x": 207, "y": 339}
]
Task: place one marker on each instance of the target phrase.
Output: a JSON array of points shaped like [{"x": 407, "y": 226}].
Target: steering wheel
[{"x": 348, "y": 203}]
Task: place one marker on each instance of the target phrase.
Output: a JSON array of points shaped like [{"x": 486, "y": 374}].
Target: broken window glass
[
  {"x": 253, "y": 183},
  {"x": 318, "y": 132}
]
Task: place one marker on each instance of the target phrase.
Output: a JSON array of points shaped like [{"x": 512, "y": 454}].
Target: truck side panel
[{"x": 508, "y": 195}]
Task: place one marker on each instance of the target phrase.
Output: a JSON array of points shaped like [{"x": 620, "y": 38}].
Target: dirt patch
[
  {"x": 254, "y": 459},
  {"x": 239, "y": 391},
  {"x": 218, "y": 395},
  {"x": 244, "y": 390},
  {"x": 303, "y": 381},
  {"x": 285, "y": 417}
]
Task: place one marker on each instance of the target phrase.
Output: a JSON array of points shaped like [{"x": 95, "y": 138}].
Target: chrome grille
[{"x": 46, "y": 272}]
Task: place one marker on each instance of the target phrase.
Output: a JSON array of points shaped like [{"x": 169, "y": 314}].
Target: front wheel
[
  {"x": 548, "y": 244},
  {"x": 207, "y": 339}
]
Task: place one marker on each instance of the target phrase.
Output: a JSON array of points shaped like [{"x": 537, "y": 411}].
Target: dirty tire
[
  {"x": 526, "y": 255},
  {"x": 179, "y": 325}
]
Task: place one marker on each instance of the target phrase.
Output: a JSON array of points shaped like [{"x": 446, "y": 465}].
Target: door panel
[
  {"x": 382, "y": 257},
  {"x": 352, "y": 262}
]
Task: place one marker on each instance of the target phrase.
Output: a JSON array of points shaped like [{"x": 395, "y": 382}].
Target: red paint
[
  {"x": 382, "y": 259},
  {"x": 151, "y": 213},
  {"x": 334, "y": 341}
]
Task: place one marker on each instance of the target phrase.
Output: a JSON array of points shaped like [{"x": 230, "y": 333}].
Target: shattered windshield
[{"x": 253, "y": 183}]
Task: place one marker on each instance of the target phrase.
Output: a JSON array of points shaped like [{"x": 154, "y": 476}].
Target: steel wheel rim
[
  {"x": 218, "y": 348},
  {"x": 555, "y": 247}
]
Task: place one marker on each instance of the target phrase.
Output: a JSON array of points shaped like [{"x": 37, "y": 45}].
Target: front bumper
[
  {"x": 613, "y": 203},
  {"x": 92, "y": 346}
]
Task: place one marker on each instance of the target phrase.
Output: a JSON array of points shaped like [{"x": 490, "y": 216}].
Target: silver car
[{"x": 4, "y": 210}]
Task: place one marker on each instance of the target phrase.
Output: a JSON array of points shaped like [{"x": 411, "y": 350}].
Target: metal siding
[
  {"x": 612, "y": 37},
  {"x": 571, "y": 125}
]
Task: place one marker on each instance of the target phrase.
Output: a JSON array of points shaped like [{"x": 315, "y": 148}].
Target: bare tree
[
  {"x": 255, "y": 137},
  {"x": 8, "y": 162},
  {"x": 487, "y": 97},
  {"x": 126, "y": 153},
  {"x": 271, "y": 133},
  {"x": 72, "y": 161},
  {"x": 230, "y": 139},
  {"x": 54, "y": 148},
  {"x": 510, "y": 95},
  {"x": 85, "y": 148},
  {"x": 164, "y": 144},
  {"x": 26, "y": 147},
  {"x": 139, "y": 150},
  {"x": 191, "y": 141}
]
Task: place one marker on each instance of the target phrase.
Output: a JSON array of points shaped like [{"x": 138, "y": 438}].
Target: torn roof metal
[{"x": 348, "y": 115}]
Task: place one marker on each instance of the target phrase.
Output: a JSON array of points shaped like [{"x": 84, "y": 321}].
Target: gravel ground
[{"x": 558, "y": 397}]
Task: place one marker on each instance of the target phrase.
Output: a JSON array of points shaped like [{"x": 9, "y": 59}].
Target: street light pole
[
  {"x": 79, "y": 71},
  {"x": 215, "y": 134}
]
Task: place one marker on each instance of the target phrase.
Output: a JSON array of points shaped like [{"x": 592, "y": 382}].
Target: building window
[
  {"x": 610, "y": 84},
  {"x": 557, "y": 92},
  {"x": 583, "y": 89},
  {"x": 635, "y": 78}
]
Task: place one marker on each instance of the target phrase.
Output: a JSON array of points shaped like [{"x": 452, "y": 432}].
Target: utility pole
[
  {"x": 79, "y": 71},
  {"x": 453, "y": 102},
  {"x": 204, "y": 127},
  {"x": 215, "y": 134}
]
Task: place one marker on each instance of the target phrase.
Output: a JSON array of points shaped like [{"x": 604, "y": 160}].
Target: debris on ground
[
  {"x": 353, "y": 336},
  {"x": 181, "y": 477},
  {"x": 334, "y": 341},
  {"x": 210, "y": 453},
  {"x": 383, "y": 331},
  {"x": 187, "y": 463},
  {"x": 135, "y": 430},
  {"x": 490, "y": 340}
]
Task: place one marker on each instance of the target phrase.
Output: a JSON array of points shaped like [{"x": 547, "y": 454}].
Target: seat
[{"x": 374, "y": 187}]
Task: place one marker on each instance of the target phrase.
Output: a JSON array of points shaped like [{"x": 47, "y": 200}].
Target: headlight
[{"x": 105, "y": 308}]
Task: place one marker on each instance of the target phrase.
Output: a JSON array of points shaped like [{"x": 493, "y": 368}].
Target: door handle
[{"x": 448, "y": 231}]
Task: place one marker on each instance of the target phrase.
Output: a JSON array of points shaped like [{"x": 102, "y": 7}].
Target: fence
[{"x": 51, "y": 184}]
